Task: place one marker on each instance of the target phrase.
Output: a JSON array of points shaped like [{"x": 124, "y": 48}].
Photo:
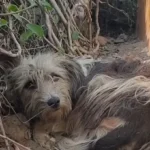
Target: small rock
[
  {"x": 117, "y": 41},
  {"x": 102, "y": 40},
  {"x": 121, "y": 38}
]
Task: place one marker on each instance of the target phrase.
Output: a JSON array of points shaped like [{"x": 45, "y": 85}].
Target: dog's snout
[{"x": 53, "y": 102}]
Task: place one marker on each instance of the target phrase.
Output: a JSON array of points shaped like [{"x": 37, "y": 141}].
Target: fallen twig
[{"x": 3, "y": 132}]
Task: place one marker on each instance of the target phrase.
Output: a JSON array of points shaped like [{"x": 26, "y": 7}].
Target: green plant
[{"x": 49, "y": 24}]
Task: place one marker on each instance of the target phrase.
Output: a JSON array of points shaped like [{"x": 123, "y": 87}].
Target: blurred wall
[{"x": 143, "y": 20}]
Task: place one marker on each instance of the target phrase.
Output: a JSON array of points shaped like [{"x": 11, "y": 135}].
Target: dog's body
[
  {"x": 93, "y": 111},
  {"x": 124, "y": 95},
  {"x": 126, "y": 99}
]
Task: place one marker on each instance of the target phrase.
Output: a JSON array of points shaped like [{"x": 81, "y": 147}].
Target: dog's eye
[
  {"x": 30, "y": 85},
  {"x": 55, "y": 77}
]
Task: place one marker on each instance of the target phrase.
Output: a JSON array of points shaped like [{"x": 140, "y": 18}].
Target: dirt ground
[{"x": 125, "y": 46}]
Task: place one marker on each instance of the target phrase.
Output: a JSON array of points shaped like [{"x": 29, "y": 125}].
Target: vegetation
[
  {"x": 34, "y": 25},
  {"x": 65, "y": 26}
]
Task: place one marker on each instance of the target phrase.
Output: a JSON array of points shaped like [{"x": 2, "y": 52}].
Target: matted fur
[
  {"x": 125, "y": 93},
  {"x": 108, "y": 97},
  {"x": 146, "y": 146},
  {"x": 106, "y": 93}
]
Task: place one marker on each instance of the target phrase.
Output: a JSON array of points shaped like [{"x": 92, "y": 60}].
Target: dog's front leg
[{"x": 41, "y": 135}]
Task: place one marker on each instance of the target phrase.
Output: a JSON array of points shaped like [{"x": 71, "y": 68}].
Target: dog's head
[{"x": 46, "y": 85}]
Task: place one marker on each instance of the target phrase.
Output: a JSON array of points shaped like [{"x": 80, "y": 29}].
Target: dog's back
[
  {"x": 136, "y": 132},
  {"x": 120, "y": 68},
  {"x": 93, "y": 106}
]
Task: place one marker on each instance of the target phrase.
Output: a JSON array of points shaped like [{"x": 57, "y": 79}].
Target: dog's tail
[{"x": 74, "y": 144}]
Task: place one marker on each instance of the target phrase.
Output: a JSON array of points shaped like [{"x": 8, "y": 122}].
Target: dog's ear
[
  {"x": 7, "y": 62},
  {"x": 75, "y": 75}
]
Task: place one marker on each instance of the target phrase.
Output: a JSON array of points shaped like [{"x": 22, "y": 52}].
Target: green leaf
[
  {"x": 56, "y": 19},
  {"x": 47, "y": 5},
  {"x": 36, "y": 29},
  {"x": 25, "y": 36},
  {"x": 3, "y": 22},
  {"x": 32, "y": 2},
  {"x": 17, "y": 17},
  {"x": 75, "y": 35},
  {"x": 12, "y": 8},
  {"x": 61, "y": 50}
]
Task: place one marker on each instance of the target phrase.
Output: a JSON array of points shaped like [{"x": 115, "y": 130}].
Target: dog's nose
[{"x": 53, "y": 102}]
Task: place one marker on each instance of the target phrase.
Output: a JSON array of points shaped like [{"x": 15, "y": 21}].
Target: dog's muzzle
[{"x": 54, "y": 102}]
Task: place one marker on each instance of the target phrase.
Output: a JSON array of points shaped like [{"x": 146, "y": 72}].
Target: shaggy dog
[
  {"x": 95, "y": 112},
  {"x": 46, "y": 86}
]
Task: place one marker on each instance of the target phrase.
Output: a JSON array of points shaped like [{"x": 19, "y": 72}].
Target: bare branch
[
  {"x": 16, "y": 12},
  {"x": 13, "y": 37},
  {"x": 69, "y": 34},
  {"x": 58, "y": 11},
  {"x": 49, "y": 26},
  {"x": 9, "y": 53},
  {"x": 4, "y": 137},
  {"x": 51, "y": 32},
  {"x": 90, "y": 25},
  {"x": 120, "y": 10},
  {"x": 63, "y": 8},
  {"x": 97, "y": 14},
  {"x": 98, "y": 28},
  {"x": 51, "y": 44}
]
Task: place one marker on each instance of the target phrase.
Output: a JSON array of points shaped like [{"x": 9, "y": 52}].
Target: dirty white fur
[{"x": 86, "y": 64}]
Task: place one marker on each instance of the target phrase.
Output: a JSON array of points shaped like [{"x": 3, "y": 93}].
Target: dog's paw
[{"x": 45, "y": 141}]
